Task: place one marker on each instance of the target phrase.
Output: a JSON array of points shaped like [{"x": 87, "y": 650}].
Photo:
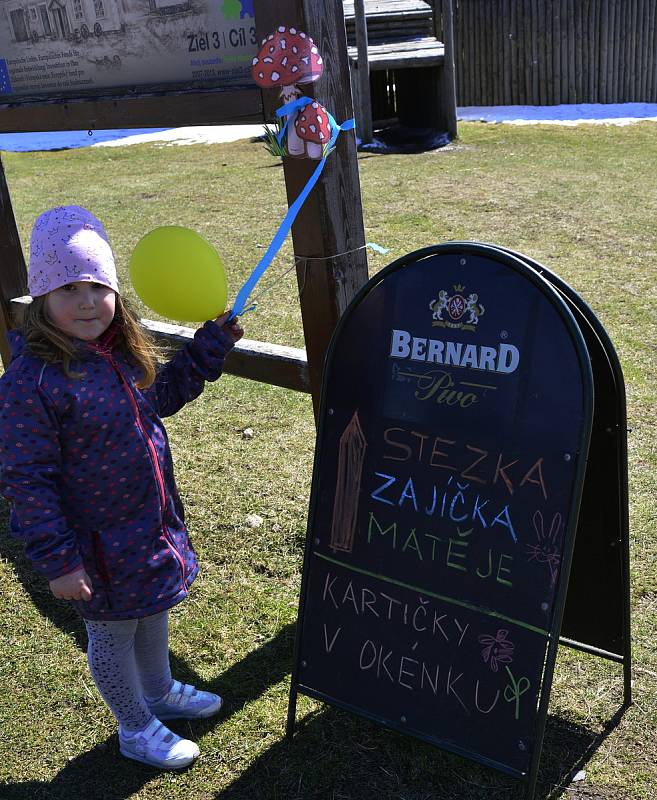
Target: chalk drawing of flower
[{"x": 497, "y": 649}]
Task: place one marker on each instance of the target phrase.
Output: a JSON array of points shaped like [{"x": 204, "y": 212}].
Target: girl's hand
[
  {"x": 73, "y": 586},
  {"x": 234, "y": 330}
]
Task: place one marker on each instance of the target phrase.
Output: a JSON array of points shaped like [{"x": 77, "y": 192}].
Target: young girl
[{"x": 87, "y": 468}]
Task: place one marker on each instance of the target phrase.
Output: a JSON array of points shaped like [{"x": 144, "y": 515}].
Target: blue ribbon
[
  {"x": 377, "y": 248},
  {"x": 239, "y": 306},
  {"x": 288, "y": 111}
]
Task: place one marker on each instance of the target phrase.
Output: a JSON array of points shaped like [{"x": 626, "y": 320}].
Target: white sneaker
[
  {"x": 183, "y": 701},
  {"x": 158, "y": 746}
]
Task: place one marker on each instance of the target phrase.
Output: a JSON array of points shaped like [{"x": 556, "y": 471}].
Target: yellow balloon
[{"x": 179, "y": 275}]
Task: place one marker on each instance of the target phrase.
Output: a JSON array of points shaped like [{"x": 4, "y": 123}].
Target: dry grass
[{"x": 580, "y": 200}]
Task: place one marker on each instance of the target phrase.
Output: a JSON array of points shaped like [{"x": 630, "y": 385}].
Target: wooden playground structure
[{"x": 401, "y": 60}]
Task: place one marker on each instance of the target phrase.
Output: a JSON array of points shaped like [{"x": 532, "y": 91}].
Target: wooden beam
[
  {"x": 258, "y": 361},
  {"x": 447, "y": 79},
  {"x": 159, "y": 108},
  {"x": 426, "y": 52},
  {"x": 328, "y": 235},
  {"x": 363, "y": 74}
]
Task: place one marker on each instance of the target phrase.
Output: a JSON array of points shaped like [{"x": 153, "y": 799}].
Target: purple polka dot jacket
[{"x": 86, "y": 465}]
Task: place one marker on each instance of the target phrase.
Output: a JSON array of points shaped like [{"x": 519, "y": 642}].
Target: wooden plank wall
[{"x": 546, "y": 52}]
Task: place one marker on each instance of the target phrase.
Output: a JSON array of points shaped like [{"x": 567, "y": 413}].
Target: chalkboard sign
[{"x": 454, "y": 431}]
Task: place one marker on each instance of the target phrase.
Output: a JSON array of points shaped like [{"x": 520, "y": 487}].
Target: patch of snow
[
  {"x": 203, "y": 134},
  {"x": 576, "y": 114},
  {"x": 65, "y": 140}
]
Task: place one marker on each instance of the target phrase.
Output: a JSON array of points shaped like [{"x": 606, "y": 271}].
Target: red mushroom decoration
[
  {"x": 286, "y": 58},
  {"x": 313, "y": 127}
]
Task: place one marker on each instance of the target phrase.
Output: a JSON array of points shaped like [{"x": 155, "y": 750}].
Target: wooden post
[
  {"x": 447, "y": 81},
  {"x": 328, "y": 235},
  {"x": 12, "y": 264},
  {"x": 365, "y": 131}
]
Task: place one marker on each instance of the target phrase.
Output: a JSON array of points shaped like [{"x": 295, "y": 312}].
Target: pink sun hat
[{"x": 69, "y": 244}]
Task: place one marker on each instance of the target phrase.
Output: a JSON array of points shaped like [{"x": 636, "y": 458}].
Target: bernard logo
[{"x": 456, "y": 311}]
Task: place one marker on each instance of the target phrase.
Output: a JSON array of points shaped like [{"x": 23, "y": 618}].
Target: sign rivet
[
  {"x": 544, "y": 606},
  {"x": 317, "y": 541},
  {"x": 304, "y": 664},
  {"x": 330, "y": 411},
  {"x": 522, "y": 745},
  {"x": 403, "y": 719},
  {"x": 463, "y": 262},
  {"x": 567, "y": 457}
]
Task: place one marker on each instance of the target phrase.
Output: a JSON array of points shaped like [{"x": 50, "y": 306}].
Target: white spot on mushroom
[
  {"x": 295, "y": 68},
  {"x": 302, "y": 129},
  {"x": 284, "y": 62},
  {"x": 295, "y": 49},
  {"x": 255, "y": 61},
  {"x": 267, "y": 60},
  {"x": 261, "y": 75},
  {"x": 319, "y": 60},
  {"x": 281, "y": 29},
  {"x": 264, "y": 40},
  {"x": 302, "y": 35},
  {"x": 320, "y": 119},
  {"x": 315, "y": 104},
  {"x": 314, "y": 51},
  {"x": 305, "y": 60},
  {"x": 275, "y": 76},
  {"x": 272, "y": 48},
  {"x": 313, "y": 128},
  {"x": 321, "y": 135},
  {"x": 293, "y": 31},
  {"x": 283, "y": 44},
  {"x": 270, "y": 37}
]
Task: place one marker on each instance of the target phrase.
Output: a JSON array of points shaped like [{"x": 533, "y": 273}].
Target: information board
[
  {"x": 454, "y": 430},
  {"x": 73, "y": 46}
]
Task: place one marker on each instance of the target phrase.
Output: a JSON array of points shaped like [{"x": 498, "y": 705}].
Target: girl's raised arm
[{"x": 183, "y": 378}]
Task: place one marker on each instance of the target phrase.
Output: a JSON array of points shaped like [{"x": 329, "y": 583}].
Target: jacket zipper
[{"x": 156, "y": 467}]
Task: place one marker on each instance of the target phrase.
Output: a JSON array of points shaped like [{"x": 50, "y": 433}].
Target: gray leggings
[{"x": 129, "y": 661}]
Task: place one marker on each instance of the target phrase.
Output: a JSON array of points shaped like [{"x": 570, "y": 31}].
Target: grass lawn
[{"x": 582, "y": 201}]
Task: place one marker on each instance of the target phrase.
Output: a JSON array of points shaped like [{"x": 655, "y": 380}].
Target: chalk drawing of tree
[{"x": 347, "y": 489}]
